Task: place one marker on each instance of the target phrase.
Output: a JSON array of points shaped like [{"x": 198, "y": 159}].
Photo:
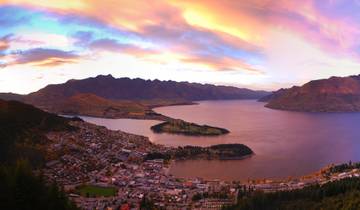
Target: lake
[{"x": 285, "y": 143}]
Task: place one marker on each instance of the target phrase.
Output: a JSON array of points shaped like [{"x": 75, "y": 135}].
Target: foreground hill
[
  {"x": 336, "y": 94},
  {"x": 22, "y": 133},
  {"x": 22, "y": 129}
]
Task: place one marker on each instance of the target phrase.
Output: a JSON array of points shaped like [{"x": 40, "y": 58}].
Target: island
[
  {"x": 185, "y": 128},
  {"x": 214, "y": 152}
]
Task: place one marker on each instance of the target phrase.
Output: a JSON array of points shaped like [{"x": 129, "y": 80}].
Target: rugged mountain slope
[
  {"x": 138, "y": 89},
  {"x": 336, "y": 94},
  {"x": 106, "y": 96}
]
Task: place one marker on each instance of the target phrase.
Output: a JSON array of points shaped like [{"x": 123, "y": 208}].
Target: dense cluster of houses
[{"x": 94, "y": 155}]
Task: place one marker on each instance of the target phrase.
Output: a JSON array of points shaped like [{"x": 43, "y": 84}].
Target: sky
[{"x": 258, "y": 44}]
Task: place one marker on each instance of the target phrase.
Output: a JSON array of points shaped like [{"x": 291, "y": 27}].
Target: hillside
[
  {"x": 22, "y": 147},
  {"x": 87, "y": 104},
  {"x": 336, "y": 94},
  {"x": 11, "y": 96},
  {"x": 22, "y": 129}
]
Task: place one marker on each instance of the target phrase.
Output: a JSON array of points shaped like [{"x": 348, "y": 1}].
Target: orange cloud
[
  {"x": 230, "y": 17},
  {"x": 132, "y": 15},
  {"x": 248, "y": 21},
  {"x": 5, "y": 42},
  {"x": 243, "y": 25}
]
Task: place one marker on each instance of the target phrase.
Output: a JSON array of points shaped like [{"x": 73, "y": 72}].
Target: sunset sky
[{"x": 259, "y": 44}]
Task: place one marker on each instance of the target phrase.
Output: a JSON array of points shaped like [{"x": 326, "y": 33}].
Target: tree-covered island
[
  {"x": 218, "y": 152},
  {"x": 186, "y": 128}
]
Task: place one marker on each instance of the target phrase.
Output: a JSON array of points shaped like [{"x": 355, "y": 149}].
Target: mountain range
[
  {"x": 335, "y": 94},
  {"x": 106, "y": 96}
]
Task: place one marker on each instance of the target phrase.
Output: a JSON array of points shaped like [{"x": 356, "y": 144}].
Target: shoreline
[
  {"x": 320, "y": 173},
  {"x": 152, "y": 116},
  {"x": 123, "y": 165},
  {"x": 252, "y": 180}
]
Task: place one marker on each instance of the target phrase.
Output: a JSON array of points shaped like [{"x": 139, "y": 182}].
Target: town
[
  {"x": 105, "y": 169},
  {"x": 96, "y": 156}
]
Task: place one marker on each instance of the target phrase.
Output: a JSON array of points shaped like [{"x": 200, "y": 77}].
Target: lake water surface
[{"x": 285, "y": 143}]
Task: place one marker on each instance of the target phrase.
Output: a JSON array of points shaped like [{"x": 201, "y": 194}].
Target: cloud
[
  {"x": 83, "y": 37},
  {"x": 223, "y": 63},
  {"x": 112, "y": 45},
  {"x": 45, "y": 57},
  {"x": 273, "y": 38},
  {"x": 5, "y": 42},
  {"x": 241, "y": 23},
  {"x": 141, "y": 29}
]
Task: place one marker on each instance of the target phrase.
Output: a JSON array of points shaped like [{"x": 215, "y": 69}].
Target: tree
[{"x": 21, "y": 189}]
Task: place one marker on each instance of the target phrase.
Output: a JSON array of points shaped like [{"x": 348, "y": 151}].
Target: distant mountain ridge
[
  {"x": 336, "y": 94},
  {"x": 106, "y": 96},
  {"x": 138, "y": 89}
]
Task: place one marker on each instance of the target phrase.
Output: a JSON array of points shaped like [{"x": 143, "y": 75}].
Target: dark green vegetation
[
  {"x": 220, "y": 151},
  {"x": 148, "y": 204},
  {"x": 222, "y": 194},
  {"x": 344, "y": 167},
  {"x": 186, "y": 128},
  {"x": 336, "y": 94},
  {"x": 96, "y": 191},
  {"x": 339, "y": 195},
  {"x": 22, "y": 133},
  {"x": 20, "y": 189}
]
